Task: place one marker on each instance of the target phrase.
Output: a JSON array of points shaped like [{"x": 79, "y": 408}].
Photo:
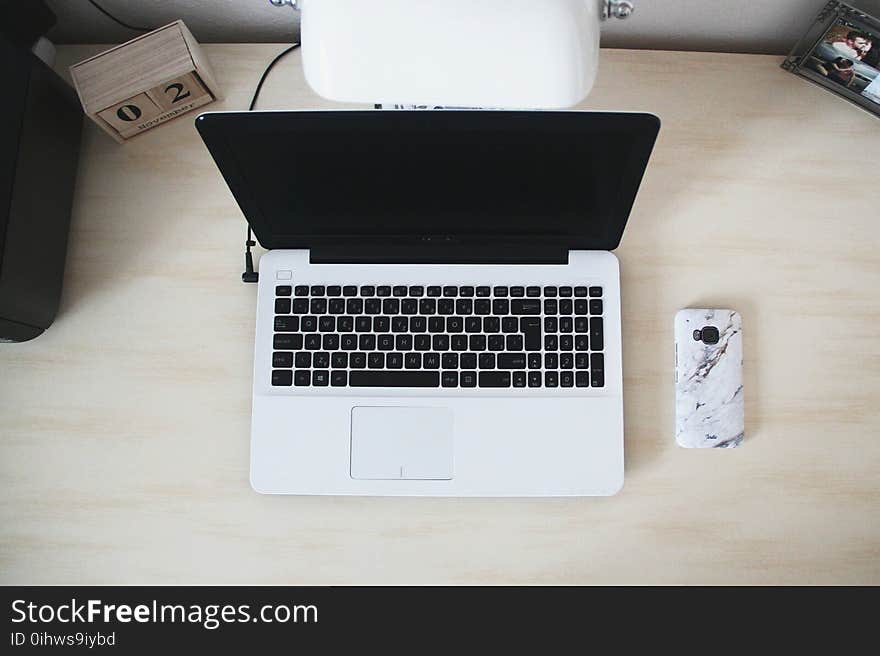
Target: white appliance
[{"x": 474, "y": 53}]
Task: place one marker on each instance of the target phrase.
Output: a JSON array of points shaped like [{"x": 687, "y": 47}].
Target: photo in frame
[{"x": 841, "y": 52}]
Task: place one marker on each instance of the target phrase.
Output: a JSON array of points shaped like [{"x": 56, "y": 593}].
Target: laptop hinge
[{"x": 438, "y": 254}]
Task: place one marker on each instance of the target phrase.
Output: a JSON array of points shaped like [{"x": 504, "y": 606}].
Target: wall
[{"x": 767, "y": 26}]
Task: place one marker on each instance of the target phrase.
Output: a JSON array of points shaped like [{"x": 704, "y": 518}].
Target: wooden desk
[{"x": 124, "y": 429}]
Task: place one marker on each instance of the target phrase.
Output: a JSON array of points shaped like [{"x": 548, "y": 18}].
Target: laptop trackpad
[{"x": 401, "y": 443}]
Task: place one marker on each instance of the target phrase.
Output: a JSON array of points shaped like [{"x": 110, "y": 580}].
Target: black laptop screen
[{"x": 570, "y": 176}]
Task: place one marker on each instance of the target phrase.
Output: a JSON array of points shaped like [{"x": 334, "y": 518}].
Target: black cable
[
  {"x": 269, "y": 70},
  {"x": 134, "y": 28},
  {"x": 249, "y": 274}
]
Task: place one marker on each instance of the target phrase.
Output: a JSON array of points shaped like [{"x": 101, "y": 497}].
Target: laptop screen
[{"x": 312, "y": 177}]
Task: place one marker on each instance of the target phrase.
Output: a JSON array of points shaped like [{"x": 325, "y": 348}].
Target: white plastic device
[{"x": 476, "y": 53}]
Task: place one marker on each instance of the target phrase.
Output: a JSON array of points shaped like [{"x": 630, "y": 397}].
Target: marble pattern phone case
[{"x": 709, "y": 409}]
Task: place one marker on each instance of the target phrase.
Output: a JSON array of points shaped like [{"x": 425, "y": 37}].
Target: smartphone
[{"x": 709, "y": 408}]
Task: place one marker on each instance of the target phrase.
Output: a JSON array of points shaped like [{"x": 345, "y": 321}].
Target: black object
[
  {"x": 708, "y": 335},
  {"x": 40, "y": 129},
  {"x": 394, "y": 338},
  {"x": 23, "y": 22},
  {"x": 486, "y": 186}
]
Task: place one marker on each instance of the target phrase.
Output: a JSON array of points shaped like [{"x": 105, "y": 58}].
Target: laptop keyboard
[{"x": 438, "y": 337}]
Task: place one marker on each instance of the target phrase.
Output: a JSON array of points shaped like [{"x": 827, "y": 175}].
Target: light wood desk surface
[{"x": 124, "y": 429}]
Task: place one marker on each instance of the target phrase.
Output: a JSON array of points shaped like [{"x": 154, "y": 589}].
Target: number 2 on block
[{"x": 178, "y": 90}]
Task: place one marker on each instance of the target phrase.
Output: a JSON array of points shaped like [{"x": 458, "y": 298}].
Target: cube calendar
[{"x": 145, "y": 82}]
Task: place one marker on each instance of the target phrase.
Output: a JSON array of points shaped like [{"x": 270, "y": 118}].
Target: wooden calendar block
[
  {"x": 124, "y": 116},
  {"x": 172, "y": 94},
  {"x": 145, "y": 82}
]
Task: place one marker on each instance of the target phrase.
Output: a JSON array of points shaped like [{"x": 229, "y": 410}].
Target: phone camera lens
[{"x": 710, "y": 335}]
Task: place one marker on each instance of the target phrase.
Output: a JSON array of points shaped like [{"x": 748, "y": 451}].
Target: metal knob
[{"x": 618, "y": 9}]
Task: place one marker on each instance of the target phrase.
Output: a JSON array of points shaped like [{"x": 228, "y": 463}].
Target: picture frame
[{"x": 841, "y": 52}]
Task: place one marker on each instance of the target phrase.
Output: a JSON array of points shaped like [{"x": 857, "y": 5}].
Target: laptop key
[
  {"x": 302, "y": 378},
  {"x": 468, "y": 360},
  {"x": 582, "y": 379},
  {"x": 394, "y": 361},
  {"x": 301, "y": 290},
  {"x": 500, "y": 291},
  {"x": 459, "y": 343},
  {"x": 417, "y": 291},
  {"x": 336, "y": 306},
  {"x": 595, "y": 292},
  {"x": 349, "y": 290},
  {"x": 551, "y": 379},
  {"x": 566, "y": 379},
  {"x": 334, "y": 290},
  {"x": 399, "y": 291},
  {"x": 312, "y": 342},
  {"x": 597, "y": 378},
  {"x": 338, "y": 378},
  {"x": 596, "y": 306},
  {"x": 534, "y": 360},
  {"x": 286, "y": 324},
  {"x": 487, "y": 360},
  {"x": 450, "y": 291},
  {"x": 484, "y": 291},
  {"x": 321, "y": 378},
  {"x": 317, "y": 290},
  {"x": 386, "y": 342},
  {"x": 394, "y": 379},
  {"x": 339, "y": 360},
  {"x": 580, "y": 291},
  {"x": 496, "y": 342},
  {"x": 373, "y": 306},
  {"x": 403, "y": 342},
  {"x": 531, "y": 329},
  {"x": 514, "y": 343},
  {"x": 534, "y": 379},
  {"x": 376, "y": 360},
  {"x": 282, "y": 378},
  {"x": 321, "y": 360},
  {"x": 525, "y": 306},
  {"x": 466, "y": 292},
  {"x": 494, "y": 379},
  {"x": 551, "y": 291},
  {"x": 327, "y": 324},
  {"x": 383, "y": 290},
  {"x": 519, "y": 378},
  {"x": 399, "y": 324},
  {"x": 533, "y": 292},
  {"x": 468, "y": 379},
  {"x": 413, "y": 361},
  {"x": 287, "y": 341},
  {"x": 303, "y": 360},
  {"x": 517, "y": 292},
  {"x": 282, "y": 306},
  {"x": 434, "y": 290},
  {"x": 367, "y": 342},
  {"x": 432, "y": 361},
  {"x": 582, "y": 361},
  {"x": 357, "y": 360},
  {"x": 597, "y": 337},
  {"x": 565, "y": 292},
  {"x": 449, "y": 379},
  {"x": 512, "y": 361},
  {"x": 581, "y": 325},
  {"x": 422, "y": 343}
]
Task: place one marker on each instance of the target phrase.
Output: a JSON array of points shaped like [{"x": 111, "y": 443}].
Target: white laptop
[{"x": 439, "y": 311}]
